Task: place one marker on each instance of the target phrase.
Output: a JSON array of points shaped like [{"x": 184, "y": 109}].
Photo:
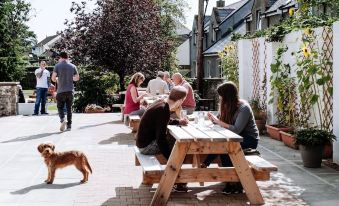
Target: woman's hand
[
  {"x": 213, "y": 118},
  {"x": 183, "y": 121}
]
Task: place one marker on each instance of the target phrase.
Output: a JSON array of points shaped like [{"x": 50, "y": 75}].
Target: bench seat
[
  {"x": 121, "y": 107},
  {"x": 153, "y": 170}
]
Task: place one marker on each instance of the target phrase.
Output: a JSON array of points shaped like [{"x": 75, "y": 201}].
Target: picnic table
[
  {"x": 151, "y": 99},
  {"x": 195, "y": 139}
]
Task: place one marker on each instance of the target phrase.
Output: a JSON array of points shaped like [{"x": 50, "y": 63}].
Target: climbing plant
[{"x": 229, "y": 63}]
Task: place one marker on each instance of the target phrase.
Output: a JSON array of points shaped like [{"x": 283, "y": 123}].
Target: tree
[
  {"x": 123, "y": 36},
  {"x": 15, "y": 39}
]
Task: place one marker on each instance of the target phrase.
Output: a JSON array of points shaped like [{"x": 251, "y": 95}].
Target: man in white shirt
[
  {"x": 158, "y": 85},
  {"x": 42, "y": 84}
]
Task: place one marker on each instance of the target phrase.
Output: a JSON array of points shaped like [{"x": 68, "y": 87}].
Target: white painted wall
[
  {"x": 245, "y": 68},
  {"x": 336, "y": 91},
  {"x": 183, "y": 53}
]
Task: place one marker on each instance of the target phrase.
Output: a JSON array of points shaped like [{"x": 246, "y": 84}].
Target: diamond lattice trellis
[
  {"x": 255, "y": 69},
  {"x": 327, "y": 49}
]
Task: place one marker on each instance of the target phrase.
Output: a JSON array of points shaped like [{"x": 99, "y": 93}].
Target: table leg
[
  {"x": 170, "y": 175},
  {"x": 244, "y": 172}
]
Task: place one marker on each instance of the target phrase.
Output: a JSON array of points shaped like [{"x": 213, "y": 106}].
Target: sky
[{"x": 48, "y": 16}]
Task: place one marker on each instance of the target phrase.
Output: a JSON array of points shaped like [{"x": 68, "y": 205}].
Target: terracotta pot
[
  {"x": 260, "y": 124},
  {"x": 273, "y": 131},
  {"x": 288, "y": 139},
  {"x": 311, "y": 155},
  {"x": 327, "y": 151}
]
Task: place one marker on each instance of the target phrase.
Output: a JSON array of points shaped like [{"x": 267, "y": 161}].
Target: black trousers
[{"x": 65, "y": 98}]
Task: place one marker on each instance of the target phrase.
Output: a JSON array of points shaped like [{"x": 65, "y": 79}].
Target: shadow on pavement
[
  {"x": 31, "y": 137},
  {"x": 44, "y": 186},
  {"x": 97, "y": 125},
  {"x": 121, "y": 139}
]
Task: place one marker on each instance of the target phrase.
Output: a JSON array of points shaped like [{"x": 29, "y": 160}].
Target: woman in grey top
[{"x": 236, "y": 115}]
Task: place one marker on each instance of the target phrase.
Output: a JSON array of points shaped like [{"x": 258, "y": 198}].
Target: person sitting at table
[
  {"x": 158, "y": 85},
  {"x": 168, "y": 80},
  {"x": 152, "y": 134},
  {"x": 236, "y": 115},
  {"x": 132, "y": 99},
  {"x": 189, "y": 103}
]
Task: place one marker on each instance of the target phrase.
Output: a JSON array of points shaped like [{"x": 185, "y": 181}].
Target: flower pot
[
  {"x": 288, "y": 139},
  {"x": 273, "y": 131},
  {"x": 311, "y": 155},
  {"x": 260, "y": 124},
  {"x": 327, "y": 151}
]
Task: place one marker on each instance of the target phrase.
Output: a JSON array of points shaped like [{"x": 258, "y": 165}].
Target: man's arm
[
  {"x": 39, "y": 73},
  {"x": 76, "y": 76},
  {"x": 54, "y": 75}
]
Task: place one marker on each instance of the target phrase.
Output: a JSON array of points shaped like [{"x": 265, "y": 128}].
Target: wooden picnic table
[
  {"x": 209, "y": 139},
  {"x": 151, "y": 99}
]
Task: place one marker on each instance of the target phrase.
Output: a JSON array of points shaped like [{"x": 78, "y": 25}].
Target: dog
[{"x": 58, "y": 160}]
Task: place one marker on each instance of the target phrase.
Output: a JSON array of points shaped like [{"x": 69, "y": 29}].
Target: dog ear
[
  {"x": 40, "y": 148},
  {"x": 52, "y": 147}
]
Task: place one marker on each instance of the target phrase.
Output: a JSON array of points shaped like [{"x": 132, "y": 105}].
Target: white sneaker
[{"x": 63, "y": 125}]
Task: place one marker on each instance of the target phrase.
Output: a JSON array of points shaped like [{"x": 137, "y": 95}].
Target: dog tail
[{"x": 88, "y": 166}]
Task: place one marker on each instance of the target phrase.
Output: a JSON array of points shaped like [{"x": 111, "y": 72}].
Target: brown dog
[{"x": 57, "y": 160}]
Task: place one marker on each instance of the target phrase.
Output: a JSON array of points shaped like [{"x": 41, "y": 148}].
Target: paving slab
[{"x": 116, "y": 180}]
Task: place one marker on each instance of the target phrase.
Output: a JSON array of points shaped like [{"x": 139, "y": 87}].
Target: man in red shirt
[{"x": 189, "y": 103}]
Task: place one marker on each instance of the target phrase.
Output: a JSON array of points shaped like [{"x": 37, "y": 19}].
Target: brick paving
[{"x": 115, "y": 179}]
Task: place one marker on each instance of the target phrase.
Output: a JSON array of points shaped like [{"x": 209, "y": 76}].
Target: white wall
[
  {"x": 336, "y": 91},
  {"x": 183, "y": 53},
  {"x": 245, "y": 68}
]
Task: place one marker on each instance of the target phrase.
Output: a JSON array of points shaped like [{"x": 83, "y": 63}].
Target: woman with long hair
[
  {"x": 132, "y": 98},
  {"x": 236, "y": 115}
]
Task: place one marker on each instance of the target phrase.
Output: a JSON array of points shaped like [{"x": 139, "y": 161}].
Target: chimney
[{"x": 220, "y": 3}]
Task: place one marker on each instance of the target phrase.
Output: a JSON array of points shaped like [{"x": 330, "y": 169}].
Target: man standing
[
  {"x": 189, "y": 102},
  {"x": 157, "y": 86},
  {"x": 42, "y": 83},
  {"x": 66, "y": 73}
]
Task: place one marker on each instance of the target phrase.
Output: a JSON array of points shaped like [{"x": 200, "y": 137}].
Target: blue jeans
[
  {"x": 41, "y": 95},
  {"x": 248, "y": 142}
]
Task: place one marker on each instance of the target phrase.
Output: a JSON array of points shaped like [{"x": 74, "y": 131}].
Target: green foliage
[
  {"x": 313, "y": 137},
  {"x": 15, "y": 39},
  {"x": 95, "y": 87},
  {"x": 283, "y": 90},
  {"x": 229, "y": 63},
  {"x": 258, "y": 109}
]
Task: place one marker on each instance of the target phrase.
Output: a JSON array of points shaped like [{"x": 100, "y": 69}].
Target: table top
[
  {"x": 208, "y": 132},
  {"x": 151, "y": 99}
]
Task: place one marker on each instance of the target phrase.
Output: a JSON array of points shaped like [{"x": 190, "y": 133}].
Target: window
[
  {"x": 208, "y": 73},
  {"x": 220, "y": 69},
  {"x": 258, "y": 20},
  {"x": 214, "y": 35}
]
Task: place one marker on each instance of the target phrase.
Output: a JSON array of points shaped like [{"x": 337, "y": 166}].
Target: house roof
[
  {"x": 218, "y": 46},
  {"x": 221, "y": 13},
  {"x": 181, "y": 29},
  {"x": 280, "y": 3},
  {"x": 236, "y": 6},
  {"x": 46, "y": 40}
]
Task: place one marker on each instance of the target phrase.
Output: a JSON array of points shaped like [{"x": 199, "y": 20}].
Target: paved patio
[{"x": 116, "y": 181}]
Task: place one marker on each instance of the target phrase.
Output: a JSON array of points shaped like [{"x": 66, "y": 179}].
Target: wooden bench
[
  {"x": 134, "y": 121},
  {"x": 121, "y": 107},
  {"x": 153, "y": 167}
]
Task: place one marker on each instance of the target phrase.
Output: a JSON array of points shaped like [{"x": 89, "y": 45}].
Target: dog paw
[
  {"x": 83, "y": 181},
  {"x": 49, "y": 182},
  {"x": 46, "y": 181}
]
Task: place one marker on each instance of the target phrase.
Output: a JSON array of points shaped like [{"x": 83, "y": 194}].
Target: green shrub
[
  {"x": 95, "y": 87},
  {"x": 313, "y": 137}
]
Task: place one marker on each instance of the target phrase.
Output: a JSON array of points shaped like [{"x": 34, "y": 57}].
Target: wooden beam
[
  {"x": 170, "y": 175},
  {"x": 224, "y": 174}
]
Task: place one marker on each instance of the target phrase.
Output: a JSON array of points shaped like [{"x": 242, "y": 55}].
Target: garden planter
[
  {"x": 311, "y": 155},
  {"x": 288, "y": 139},
  {"x": 273, "y": 131},
  {"x": 260, "y": 124},
  {"x": 327, "y": 151}
]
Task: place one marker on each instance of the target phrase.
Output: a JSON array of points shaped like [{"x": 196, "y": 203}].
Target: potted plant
[
  {"x": 288, "y": 139},
  {"x": 259, "y": 114},
  {"x": 311, "y": 142}
]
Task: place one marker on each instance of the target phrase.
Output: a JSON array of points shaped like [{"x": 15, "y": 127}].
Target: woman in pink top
[{"x": 132, "y": 99}]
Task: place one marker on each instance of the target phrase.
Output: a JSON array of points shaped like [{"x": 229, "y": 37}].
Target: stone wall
[{"x": 8, "y": 98}]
